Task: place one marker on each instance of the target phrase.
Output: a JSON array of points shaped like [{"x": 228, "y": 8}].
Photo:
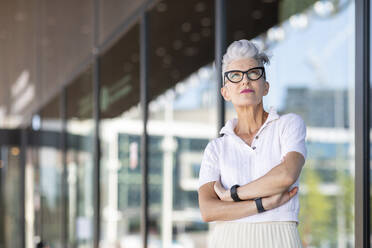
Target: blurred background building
[{"x": 107, "y": 105}]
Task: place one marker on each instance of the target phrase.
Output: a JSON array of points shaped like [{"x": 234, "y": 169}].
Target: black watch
[
  {"x": 260, "y": 208},
  {"x": 234, "y": 193}
]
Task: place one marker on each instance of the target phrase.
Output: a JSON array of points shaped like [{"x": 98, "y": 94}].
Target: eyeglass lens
[{"x": 237, "y": 76}]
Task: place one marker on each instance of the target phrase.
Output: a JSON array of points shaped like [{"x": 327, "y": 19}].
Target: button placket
[{"x": 253, "y": 146}]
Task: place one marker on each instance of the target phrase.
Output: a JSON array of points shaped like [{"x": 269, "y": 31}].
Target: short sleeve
[
  {"x": 293, "y": 136},
  {"x": 209, "y": 170}
]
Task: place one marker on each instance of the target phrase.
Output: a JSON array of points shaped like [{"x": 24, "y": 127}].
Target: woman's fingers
[{"x": 293, "y": 192}]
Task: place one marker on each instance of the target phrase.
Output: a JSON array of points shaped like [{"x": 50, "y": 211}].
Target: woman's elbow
[
  {"x": 288, "y": 181},
  {"x": 206, "y": 216}
]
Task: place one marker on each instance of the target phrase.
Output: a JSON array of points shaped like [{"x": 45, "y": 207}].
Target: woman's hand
[
  {"x": 223, "y": 194},
  {"x": 279, "y": 199}
]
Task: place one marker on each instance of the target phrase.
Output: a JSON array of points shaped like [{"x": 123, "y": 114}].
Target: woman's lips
[{"x": 246, "y": 91}]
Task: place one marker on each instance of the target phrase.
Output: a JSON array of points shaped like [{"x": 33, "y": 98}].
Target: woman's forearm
[
  {"x": 274, "y": 182},
  {"x": 217, "y": 210},
  {"x": 277, "y": 180},
  {"x": 214, "y": 209}
]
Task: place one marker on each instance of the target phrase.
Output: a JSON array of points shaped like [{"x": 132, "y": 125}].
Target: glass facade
[{"x": 49, "y": 189}]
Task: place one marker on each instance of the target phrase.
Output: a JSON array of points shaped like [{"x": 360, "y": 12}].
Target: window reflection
[
  {"x": 120, "y": 135},
  {"x": 182, "y": 118},
  {"x": 50, "y": 171},
  {"x": 315, "y": 78},
  {"x": 10, "y": 172},
  {"x": 79, "y": 158}
]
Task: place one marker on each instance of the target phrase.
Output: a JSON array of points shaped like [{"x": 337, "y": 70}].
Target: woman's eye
[
  {"x": 235, "y": 75},
  {"x": 254, "y": 74}
]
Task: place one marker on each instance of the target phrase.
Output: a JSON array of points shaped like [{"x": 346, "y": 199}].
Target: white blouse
[{"x": 231, "y": 160}]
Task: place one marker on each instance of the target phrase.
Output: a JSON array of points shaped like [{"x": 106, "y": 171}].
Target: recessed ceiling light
[
  {"x": 160, "y": 51},
  {"x": 256, "y": 14},
  {"x": 186, "y": 27},
  {"x": 324, "y": 8},
  {"x": 177, "y": 44},
  {"x": 190, "y": 51},
  {"x": 200, "y": 7}
]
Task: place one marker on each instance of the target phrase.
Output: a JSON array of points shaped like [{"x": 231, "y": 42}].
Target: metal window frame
[
  {"x": 220, "y": 47},
  {"x": 362, "y": 123},
  {"x": 63, "y": 113},
  {"x": 144, "y": 71},
  {"x": 96, "y": 138}
]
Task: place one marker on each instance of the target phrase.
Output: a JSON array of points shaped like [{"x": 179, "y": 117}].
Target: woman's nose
[{"x": 245, "y": 78}]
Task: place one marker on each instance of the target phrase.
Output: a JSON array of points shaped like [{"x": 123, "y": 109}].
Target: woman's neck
[{"x": 250, "y": 119}]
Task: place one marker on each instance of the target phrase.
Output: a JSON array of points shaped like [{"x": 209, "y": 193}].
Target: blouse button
[
  {"x": 253, "y": 147},
  {"x": 256, "y": 137}
]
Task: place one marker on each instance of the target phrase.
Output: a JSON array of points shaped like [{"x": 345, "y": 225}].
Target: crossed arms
[{"x": 216, "y": 204}]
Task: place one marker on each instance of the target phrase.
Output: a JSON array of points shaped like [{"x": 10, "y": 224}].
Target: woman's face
[{"x": 232, "y": 91}]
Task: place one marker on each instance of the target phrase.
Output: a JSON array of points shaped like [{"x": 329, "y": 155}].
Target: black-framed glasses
[{"x": 235, "y": 76}]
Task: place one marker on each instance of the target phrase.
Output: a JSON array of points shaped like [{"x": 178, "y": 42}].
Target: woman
[{"x": 248, "y": 178}]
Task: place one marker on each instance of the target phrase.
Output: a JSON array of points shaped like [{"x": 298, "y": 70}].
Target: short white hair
[{"x": 242, "y": 49}]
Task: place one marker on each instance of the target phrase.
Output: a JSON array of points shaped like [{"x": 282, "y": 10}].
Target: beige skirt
[{"x": 280, "y": 234}]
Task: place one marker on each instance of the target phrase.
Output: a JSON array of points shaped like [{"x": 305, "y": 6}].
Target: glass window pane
[
  {"x": 182, "y": 118},
  {"x": 120, "y": 135},
  {"x": 314, "y": 78},
  {"x": 49, "y": 170},
  {"x": 80, "y": 128},
  {"x": 10, "y": 181}
]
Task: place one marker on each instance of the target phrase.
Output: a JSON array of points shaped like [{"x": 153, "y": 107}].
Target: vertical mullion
[
  {"x": 22, "y": 164},
  {"x": 63, "y": 114},
  {"x": 362, "y": 156},
  {"x": 220, "y": 47},
  {"x": 144, "y": 110},
  {"x": 96, "y": 115},
  {"x": 96, "y": 173}
]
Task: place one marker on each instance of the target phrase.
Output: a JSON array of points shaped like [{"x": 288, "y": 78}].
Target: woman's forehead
[{"x": 242, "y": 64}]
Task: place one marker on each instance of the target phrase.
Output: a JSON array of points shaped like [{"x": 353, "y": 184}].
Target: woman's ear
[
  {"x": 267, "y": 87},
  {"x": 225, "y": 93}
]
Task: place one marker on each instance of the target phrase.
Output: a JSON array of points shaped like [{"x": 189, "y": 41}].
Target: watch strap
[
  {"x": 234, "y": 193},
  {"x": 259, "y": 205}
]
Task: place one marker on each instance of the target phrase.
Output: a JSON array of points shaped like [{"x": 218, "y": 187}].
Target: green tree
[
  {"x": 346, "y": 197},
  {"x": 315, "y": 211}
]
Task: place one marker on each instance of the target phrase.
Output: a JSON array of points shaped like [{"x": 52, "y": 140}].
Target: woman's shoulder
[
  {"x": 290, "y": 118},
  {"x": 215, "y": 144},
  {"x": 291, "y": 121}
]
